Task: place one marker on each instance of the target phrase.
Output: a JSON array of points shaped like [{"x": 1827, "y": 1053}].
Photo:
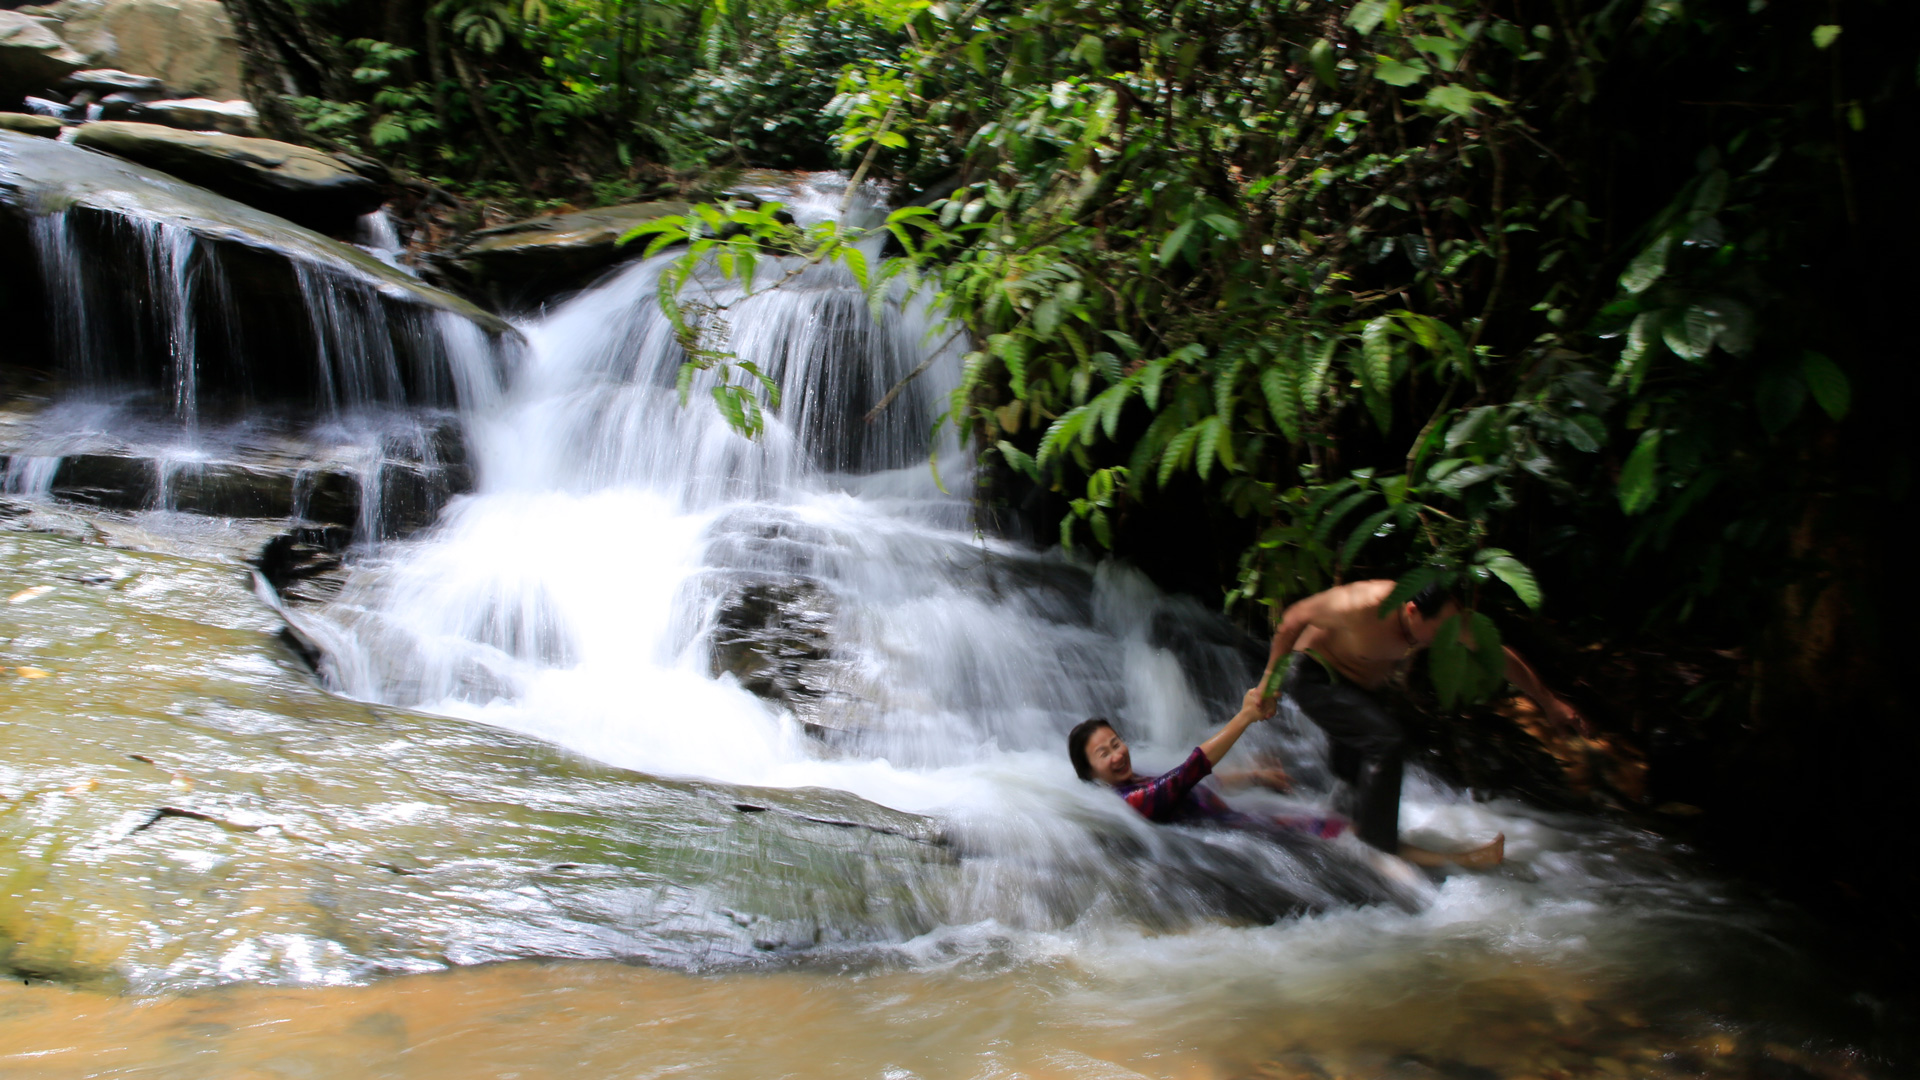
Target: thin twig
[{"x": 874, "y": 412}]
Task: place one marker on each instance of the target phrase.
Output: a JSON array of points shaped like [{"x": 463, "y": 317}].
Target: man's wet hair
[
  {"x": 1077, "y": 740},
  {"x": 1433, "y": 599}
]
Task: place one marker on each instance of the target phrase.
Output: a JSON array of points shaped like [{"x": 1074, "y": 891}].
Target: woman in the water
[{"x": 1100, "y": 754}]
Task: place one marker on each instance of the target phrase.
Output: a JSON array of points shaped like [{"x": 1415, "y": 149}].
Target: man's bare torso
[{"x": 1346, "y": 628}]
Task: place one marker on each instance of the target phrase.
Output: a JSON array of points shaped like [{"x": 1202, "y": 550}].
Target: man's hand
[
  {"x": 1566, "y": 718},
  {"x": 1258, "y": 703}
]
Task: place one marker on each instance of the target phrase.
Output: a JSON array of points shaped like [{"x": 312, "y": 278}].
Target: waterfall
[
  {"x": 637, "y": 582},
  {"x": 198, "y": 375}
]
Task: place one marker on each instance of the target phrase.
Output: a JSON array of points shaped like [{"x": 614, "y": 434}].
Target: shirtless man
[{"x": 1352, "y": 649}]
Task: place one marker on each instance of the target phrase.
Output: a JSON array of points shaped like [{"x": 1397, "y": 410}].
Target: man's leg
[{"x": 1366, "y": 751}]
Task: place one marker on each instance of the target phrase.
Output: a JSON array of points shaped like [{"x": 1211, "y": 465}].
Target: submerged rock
[
  {"x": 773, "y": 636},
  {"x": 32, "y": 56},
  {"x": 311, "y": 187},
  {"x": 525, "y": 261}
]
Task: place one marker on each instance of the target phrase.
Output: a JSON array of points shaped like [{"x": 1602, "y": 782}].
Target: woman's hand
[
  {"x": 1257, "y": 703},
  {"x": 1254, "y": 707},
  {"x": 1269, "y": 775}
]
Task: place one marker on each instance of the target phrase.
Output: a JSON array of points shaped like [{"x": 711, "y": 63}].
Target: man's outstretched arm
[
  {"x": 1522, "y": 675},
  {"x": 1293, "y": 622}
]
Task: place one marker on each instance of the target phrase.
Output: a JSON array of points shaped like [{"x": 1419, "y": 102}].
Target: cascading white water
[
  {"x": 616, "y": 537},
  {"x": 153, "y": 350},
  {"x": 619, "y": 545}
]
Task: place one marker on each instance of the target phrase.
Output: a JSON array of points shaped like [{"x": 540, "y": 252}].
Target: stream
[{"x": 665, "y": 752}]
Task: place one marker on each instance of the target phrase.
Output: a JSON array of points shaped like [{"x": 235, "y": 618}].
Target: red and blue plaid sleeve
[{"x": 1158, "y": 798}]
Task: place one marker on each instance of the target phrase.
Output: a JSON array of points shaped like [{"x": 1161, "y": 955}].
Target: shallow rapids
[{"x": 668, "y": 752}]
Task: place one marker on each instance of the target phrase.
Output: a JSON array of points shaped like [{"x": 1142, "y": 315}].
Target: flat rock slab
[
  {"x": 555, "y": 252},
  {"x": 40, "y": 176},
  {"x": 112, "y": 81},
  {"x": 184, "y": 807},
  {"x": 198, "y": 114},
  {"x": 32, "y": 56},
  {"x": 46, "y": 127},
  {"x": 304, "y": 185}
]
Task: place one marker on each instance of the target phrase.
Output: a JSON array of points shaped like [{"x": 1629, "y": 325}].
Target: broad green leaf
[
  {"x": 1366, "y": 15},
  {"x": 1518, "y": 578},
  {"x": 1150, "y": 380},
  {"x": 1399, "y": 72},
  {"x": 1825, "y": 35},
  {"x": 1829, "y": 384},
  {"x": 1282, "y": 393},
  {"x": 1646, "y": 267},
  {"x": 1487, "y": 653},
  {"x": 1323, "y": 530},
  {"x": 1319, "y": 367},
  {"x": 1636, "y": 356},
  {"x": 1362, "y": 533},
  {"x": 1457, "y": 100},
  {"x": 1175, "y": 241},
  {"x": 1177, "y": 450},
  {"x": 1046, "y": 317},
  {"x": 1449, "y": 664},
  {"x": 1207, "y": 446},
  {"x": 1409, "y": 585},
  {"x": 1018, "y": 459},
  {"x": 1376, "y": 352},
  {"x": 1692, "y": 335},
  {"x": 1325, "y": 63},
  {"x": 1223, "y": 225},
  {"x": 1639, "y": 476}
]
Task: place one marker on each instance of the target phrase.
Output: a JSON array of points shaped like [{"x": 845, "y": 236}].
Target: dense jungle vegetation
[{"x": 1588, "y": 308}]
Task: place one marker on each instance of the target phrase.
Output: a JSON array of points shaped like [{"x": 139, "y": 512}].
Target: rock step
[{"x": 410, "y": 495}]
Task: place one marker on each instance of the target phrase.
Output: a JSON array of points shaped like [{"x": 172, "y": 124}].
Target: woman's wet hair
[{"x": 1077, "y": 744}]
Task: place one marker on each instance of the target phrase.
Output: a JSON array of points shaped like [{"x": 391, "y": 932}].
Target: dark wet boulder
[
  {"x": 309, "y": 187},
  {"x": 524, "y": 262},
  {"x": 305, "y": 564},
  {"x": 32, "y": 56},
  {"x": 775, "y": 636}
]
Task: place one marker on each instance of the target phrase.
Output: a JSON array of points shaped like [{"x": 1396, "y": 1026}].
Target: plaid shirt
[{"x": 1175, "y": 797}]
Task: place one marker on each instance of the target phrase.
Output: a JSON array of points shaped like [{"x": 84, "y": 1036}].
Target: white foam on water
[{"x": 575, "y": 597}]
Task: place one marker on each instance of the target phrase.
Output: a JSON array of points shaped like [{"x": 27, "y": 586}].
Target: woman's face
[{"x": 1107, "y": 754}]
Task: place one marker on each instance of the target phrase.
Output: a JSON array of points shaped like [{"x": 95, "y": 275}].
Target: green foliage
[
  {"x": 593, "y": 100},
  {"x": 1341, "y": 277}
]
